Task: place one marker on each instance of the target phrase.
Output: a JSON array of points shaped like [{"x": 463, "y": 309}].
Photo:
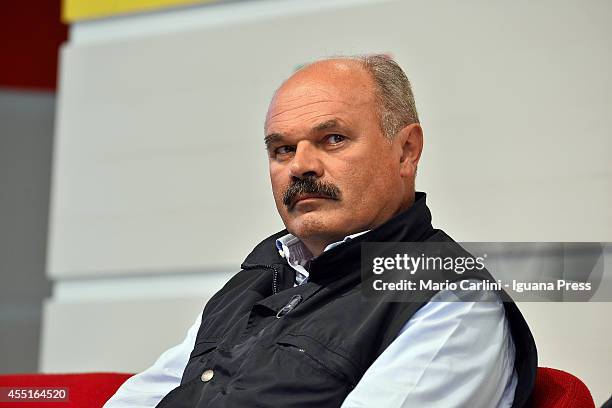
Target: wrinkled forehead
[{"x": 321, "y": 88}]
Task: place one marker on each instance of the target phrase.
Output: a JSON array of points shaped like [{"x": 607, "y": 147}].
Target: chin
[{"x": 315, "y": 225}]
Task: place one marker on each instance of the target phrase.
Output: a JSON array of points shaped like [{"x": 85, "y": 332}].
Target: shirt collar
[
  {"x": 298, "y": 256},
  {"x": 290, "y": 246}
]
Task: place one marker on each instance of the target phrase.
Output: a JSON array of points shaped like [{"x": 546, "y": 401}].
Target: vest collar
[{"x": 412, "y": 225}]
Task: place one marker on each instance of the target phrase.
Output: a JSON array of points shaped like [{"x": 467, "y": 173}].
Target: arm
[
  {"x": 449, "y": 354},
  {"x": 149, "y": 387}
]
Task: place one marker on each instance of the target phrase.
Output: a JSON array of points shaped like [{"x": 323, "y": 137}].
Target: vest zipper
[
  {"x": 293, "y": 302},
  {"x": 274, "y": 281},
  {"x": 274, "y": 274}
]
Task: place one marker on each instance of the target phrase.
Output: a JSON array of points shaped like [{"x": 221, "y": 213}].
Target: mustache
[{"x": 310, "y": 185}]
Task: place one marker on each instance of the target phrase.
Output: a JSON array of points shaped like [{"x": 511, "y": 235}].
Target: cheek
[
  {"x": 375, "y": 180},
  {"x": 358, "y": 186}
]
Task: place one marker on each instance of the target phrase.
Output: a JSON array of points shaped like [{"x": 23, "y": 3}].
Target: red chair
[
  {"x": 84, "y": 390},
  {"x": 558, "y": 389}
]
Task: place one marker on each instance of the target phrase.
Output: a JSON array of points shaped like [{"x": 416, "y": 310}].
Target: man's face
[{"x": 333, "y": 172}]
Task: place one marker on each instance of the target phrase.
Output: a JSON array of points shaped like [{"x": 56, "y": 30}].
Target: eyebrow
[
  {"x": 328, "y": 124},
  {"x": 272, "y": 138},
  {"x": 277, "y": 137}
]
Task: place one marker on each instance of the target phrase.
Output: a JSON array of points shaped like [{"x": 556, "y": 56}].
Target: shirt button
[{"x": 207, "y": 375}]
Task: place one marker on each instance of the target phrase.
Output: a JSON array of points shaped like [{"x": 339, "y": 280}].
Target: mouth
[{"x": 304, "y": 197}]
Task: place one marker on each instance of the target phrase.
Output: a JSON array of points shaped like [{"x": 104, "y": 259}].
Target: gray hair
[{"x": 398, "y": 108}]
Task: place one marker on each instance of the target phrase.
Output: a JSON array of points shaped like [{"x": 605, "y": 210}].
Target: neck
[{"x": 317, "y": 246}]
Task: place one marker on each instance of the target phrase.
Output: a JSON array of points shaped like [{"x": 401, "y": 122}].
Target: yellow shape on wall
[{"x": 76, "y": 10}]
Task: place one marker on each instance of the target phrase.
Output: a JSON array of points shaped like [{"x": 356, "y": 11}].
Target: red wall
[{"x": 30, "y": 36}]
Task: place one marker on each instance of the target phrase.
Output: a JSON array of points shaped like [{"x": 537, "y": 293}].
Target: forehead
[{"x": 320, "y": 92}]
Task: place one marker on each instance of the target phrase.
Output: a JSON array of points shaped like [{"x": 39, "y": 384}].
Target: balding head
[
  {"x": 340, "y": 79},
  {"x": 387, "y": 83}
]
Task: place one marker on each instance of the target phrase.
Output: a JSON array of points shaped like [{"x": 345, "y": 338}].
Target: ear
[{"x": 410, "y": 144}]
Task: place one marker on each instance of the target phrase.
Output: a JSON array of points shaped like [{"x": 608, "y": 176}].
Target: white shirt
[{"x": 449, "y": 354}]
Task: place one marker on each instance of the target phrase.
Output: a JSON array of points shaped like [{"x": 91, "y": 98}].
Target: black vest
[{"x": 265, "y": 343}]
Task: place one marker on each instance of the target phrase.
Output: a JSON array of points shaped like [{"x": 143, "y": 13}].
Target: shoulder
[{"x": 449, "y": 353}]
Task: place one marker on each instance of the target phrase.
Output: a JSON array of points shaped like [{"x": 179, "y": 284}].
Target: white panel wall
[
  {"x": 117, "y": 335},
  {"x": 160, "y": 168}
]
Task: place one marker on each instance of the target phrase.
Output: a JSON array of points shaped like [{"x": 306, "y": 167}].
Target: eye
[
  {"x": 282, "y": 150},
  {"x": 335, "y": 139}
]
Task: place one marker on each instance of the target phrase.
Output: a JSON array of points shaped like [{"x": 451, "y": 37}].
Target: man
[{"x": 292, "y": 329}]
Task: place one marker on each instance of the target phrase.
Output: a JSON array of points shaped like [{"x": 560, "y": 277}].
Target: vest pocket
[
  {"x": 201, "y": 348},
  {"x": 320, "y": 356}
]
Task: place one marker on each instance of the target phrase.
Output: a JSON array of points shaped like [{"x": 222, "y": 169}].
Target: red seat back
[
  {"x": 558, "y": 389},
  {"x": 84, "y": 390}
]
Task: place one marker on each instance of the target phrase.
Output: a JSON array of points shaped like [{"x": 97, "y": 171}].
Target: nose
[{"x": 306, "y": 161}]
